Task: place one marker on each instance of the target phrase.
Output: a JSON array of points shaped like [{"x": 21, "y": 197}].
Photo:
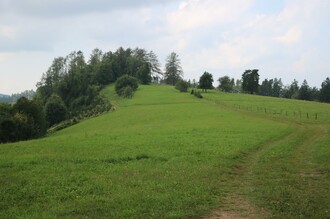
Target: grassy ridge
[{"x": 160, "y": 154}]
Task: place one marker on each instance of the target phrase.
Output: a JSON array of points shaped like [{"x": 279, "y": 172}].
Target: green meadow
[{"x": 166, "y": 154}]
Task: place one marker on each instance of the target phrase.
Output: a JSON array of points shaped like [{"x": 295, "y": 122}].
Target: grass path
[{"x": 283, "y": 167}]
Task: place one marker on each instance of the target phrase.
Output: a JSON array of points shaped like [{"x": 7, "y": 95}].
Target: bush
[
  {"x": 125, "y": 81},
  {"x": 127, "y": 92},
  {"x": 55, "y": 110},
  {"x": 31, "y": 119},
  {"x": 63, "y": 125},
  {"x": 182, "y": 86},
  {"x": 198, "y": 94}
]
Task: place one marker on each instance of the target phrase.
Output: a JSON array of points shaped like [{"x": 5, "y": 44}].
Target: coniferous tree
[
  {"x": 325, "y": 91},
  {"x": 173, "y": 70},
  {"x": 305, "y": 92}
]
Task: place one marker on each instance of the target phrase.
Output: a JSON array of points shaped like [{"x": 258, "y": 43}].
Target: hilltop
[{"x": 166, "y": 154}]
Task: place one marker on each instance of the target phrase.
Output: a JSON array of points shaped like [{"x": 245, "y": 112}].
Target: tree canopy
[
  {"x": 126, "y": 85},
  {"x": 226, "y": 84},
  {"x": 271, "y": 87},
  {"x": 22, "y": 121},
  {"x": 205, "y": 81},
  {"x": 78, "y": 82},
  {"x": 250, "y": 80},
  {"x": 182, "y": 86}
]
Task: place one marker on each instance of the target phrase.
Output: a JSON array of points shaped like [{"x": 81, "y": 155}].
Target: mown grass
[
  {"x": 162, "y": 154},
  {"x": 289, "y": 177},
  {"x": 281, "y": 108}
]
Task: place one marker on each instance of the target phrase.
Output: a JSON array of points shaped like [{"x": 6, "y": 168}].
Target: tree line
[
  {"x": 275, "y": 88},
  {"x": 249, "y": 83}
]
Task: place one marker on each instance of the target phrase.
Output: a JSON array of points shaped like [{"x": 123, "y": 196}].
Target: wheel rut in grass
[{"x": 238, "y": 203}]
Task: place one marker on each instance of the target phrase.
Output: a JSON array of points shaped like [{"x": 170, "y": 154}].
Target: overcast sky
[{"x": 287, "y": 39}]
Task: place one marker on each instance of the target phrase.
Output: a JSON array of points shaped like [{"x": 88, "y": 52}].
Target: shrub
[
  {"x": 30, "y": 117},
  {"x": 63, "y": 125},
  {"x": 127, "y": 92},
  {"x": 198, "y": 94},
  {"x": 125, "y": 81},
  {"x": 182, "y": 86},
  {"x": 55, "y": 110}
]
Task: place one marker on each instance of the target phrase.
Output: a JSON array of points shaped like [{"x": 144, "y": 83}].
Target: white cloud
[
  {"x": 3, "y": 56},
  {"x": 60, "y": 8},
  {"x": 7, "y": 32},
  {"x": 194, "y": 14},
  {"x": 293, "y": 35}
]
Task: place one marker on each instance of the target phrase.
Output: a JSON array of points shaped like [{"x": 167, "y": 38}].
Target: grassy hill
[{"x": 165, "y": 154}]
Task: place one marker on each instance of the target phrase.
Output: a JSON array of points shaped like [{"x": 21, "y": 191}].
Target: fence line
[{"x": 283, "y": 113}]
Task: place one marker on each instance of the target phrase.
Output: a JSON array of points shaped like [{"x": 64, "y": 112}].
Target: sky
[{"x": 287, "y": 39}]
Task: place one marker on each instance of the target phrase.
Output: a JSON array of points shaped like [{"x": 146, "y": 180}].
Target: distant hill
[{"x": 5, "y": 98}]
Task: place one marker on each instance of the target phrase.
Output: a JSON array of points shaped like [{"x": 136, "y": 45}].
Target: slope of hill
[{"x": 165, "y": 154}]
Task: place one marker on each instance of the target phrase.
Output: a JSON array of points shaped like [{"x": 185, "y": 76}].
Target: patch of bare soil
[
  {"x": 316, "y": 174},
  {"x": 238, "y": 208}
]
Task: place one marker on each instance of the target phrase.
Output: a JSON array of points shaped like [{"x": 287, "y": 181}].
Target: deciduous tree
[
  {"x": 205, "y": 81},
  {"x": 226, "y": 84},
  {"x": 250, "y": 80}
]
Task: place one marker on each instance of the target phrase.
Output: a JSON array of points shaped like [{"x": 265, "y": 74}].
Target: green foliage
[
  {"x": 78, "y": 82},
  {"x": 8, "y": 129},
  {"x": 250, "y": 81},
  {"x": 143, "y": 73},
  {"x": 31, "y": 119},
  {"x": 226, "y": 84},
  {"x": 55, "y": 110},
  {"x": 62, "y": 125},
  {"x": 305, "y": 92},
  {"x": 272, "y": 87},
  {"x": 127, "y": 92},
  {"x": 126, "y": 85},
  {"x": 173, "y": 70},
  {"x": 22, "y": 121},
  {"x": 198, "y": 94},
  {"x": 205, "y": 81},
  {"x": 325, "y": 91},
  {"x": 7, "y": 123},
  {"x": 291, "y": 91},
  {"x": 182, "y": 86}
]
